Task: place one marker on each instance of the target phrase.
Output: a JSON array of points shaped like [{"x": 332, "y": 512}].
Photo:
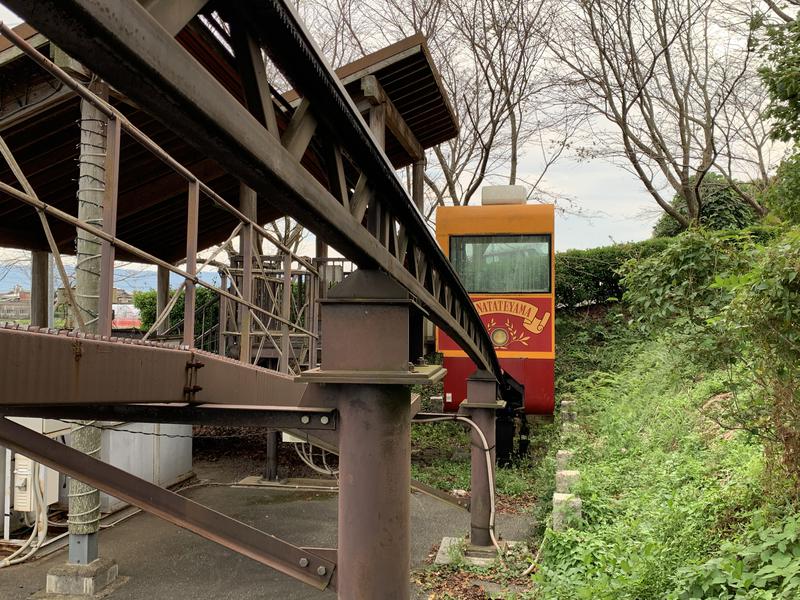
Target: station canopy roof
[{"x": 40, "y": 121}]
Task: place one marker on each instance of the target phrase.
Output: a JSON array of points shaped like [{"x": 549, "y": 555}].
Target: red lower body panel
[{"x": 536, "y": 374}]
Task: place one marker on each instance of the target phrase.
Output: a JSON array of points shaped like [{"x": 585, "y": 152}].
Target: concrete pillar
[
  {"x": 374, "y": 438},
  {"x": 91, "y": 190},
  {"x": 563, "y": 457},
  {"x": 568, "y": 411},
  {"x": 481, "y": 406},
  {"x": 84, "y": 500},
  {"x": 40, "y": 288},
  {"x": 567, "y": 511},
  {"x": 566, "y": 480},
  {"x": 162, "y": 297}
]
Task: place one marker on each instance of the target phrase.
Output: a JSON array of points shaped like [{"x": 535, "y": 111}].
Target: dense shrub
[
  {"x": 588, "y": 277},
  {"x": 762, "y": 327},
  {"x": 675, "y": 285},
  {"x": 783, "y": 195},
  {"x": 145, "y": 301},
  {"x": 722, "y": 208},
  {"x": 766, "y": 565},
  {"x": 781, "y": 53},
  {"x": 661, "y": 485}
]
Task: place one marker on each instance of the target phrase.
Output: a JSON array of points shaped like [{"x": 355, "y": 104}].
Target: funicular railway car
[{"x": 503, "y": 252}]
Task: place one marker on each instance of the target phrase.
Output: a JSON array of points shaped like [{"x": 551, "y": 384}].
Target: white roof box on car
[{"x": 503, "y": 194}]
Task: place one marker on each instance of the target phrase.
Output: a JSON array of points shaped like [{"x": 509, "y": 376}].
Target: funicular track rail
[
  {"x": 123, "y": 44},
  {"x": 360, "y": 209}
]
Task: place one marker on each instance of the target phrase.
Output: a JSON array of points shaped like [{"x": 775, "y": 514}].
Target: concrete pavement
[{"x": 162, "y": 561}]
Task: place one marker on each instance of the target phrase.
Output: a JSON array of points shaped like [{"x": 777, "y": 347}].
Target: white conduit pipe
[
  {"x": 489, "y": 468},
  {"x": 39, "y": 527},
  {"x": 309, "y": 461}
]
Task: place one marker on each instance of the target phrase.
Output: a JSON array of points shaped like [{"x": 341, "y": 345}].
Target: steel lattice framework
[
  {"x": 375, "y": 224},
  {"x": 360, "y": 396}
]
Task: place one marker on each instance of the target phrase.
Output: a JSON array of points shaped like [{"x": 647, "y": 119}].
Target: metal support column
[
  {"x": 417, "y": 331},
  {"x": 190, "y": 293},
  {"x": 286, "y": 314},
  {"x": 418, "y": 184},
  {"x": 40, "y": 288},
  {"x": 162, "y": 297},
  {"x": 248, "y": 206},
  {"x": 481, "y": 406},
  {"x": 366, "y": 381},
  {"x": 222, "y": 325}
]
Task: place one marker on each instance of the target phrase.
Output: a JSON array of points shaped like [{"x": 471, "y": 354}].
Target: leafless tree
[
  {"x": 337, "y": 27},
  {"x": 288, "y": 231},
  {"x": 660, "y": 75},
  {"x": 15, "y": 262},
  {"x": 490, "y": 54},
  {"x": 781, "y": 9},
  {"x": 747, "y": 152},
  {"x": 496, "y": 77}
]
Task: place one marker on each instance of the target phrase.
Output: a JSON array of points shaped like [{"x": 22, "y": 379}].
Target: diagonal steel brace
[{"x": 205, "y": 522}]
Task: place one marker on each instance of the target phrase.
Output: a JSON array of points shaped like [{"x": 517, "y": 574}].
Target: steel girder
[
  {"x": 46, "y": 367},
  {"x": 305, "y": 565},
  {"x": 122, "y": 43}
]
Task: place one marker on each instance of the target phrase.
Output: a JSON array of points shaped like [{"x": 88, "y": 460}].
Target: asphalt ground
[{"x": 161, "y": 561}]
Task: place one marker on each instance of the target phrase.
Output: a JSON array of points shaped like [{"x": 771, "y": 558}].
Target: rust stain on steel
[{"x": 210, "y": 524}]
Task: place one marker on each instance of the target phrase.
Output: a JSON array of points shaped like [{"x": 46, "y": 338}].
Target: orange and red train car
[{"x": 503, "y": 254}]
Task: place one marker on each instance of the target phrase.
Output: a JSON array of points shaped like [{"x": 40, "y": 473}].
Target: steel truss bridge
[{"x": 326, "y": 169}]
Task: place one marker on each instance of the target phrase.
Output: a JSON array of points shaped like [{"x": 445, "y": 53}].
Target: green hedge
[{"x": 585, "y": 277}]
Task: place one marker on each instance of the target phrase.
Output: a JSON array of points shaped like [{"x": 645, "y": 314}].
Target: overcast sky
[{"x": 609, "y": 203}]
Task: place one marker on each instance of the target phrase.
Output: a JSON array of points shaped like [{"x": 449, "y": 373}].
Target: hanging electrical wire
[{"x": 39, "y": 531}]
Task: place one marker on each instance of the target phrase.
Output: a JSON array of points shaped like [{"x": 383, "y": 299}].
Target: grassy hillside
[{"x": 674, "y": 505}]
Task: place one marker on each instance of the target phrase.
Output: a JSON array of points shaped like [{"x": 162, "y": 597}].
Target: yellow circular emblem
[{"x": 499, "y": 337}]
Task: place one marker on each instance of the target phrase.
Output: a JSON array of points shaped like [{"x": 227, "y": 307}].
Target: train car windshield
[{"x": 502, "y": 264}]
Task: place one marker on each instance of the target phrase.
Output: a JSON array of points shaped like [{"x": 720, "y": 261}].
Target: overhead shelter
[
  {"x": 40, "y": 121},
  {"x": 403, "y": 77}
]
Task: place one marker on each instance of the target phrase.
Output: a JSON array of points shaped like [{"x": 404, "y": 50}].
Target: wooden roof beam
[{"x": 375, "y": 95}]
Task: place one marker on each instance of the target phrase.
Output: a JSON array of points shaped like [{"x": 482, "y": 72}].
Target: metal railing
[
  {"x": 118, "y": 125},
  {"x": 361, "y": 209}
]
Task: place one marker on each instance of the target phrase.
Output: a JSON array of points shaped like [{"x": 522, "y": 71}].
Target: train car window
[{"x": 502, "y": 264}]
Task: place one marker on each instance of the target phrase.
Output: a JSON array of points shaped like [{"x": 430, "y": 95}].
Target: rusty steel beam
[
  {"x": 89, "y": 369},
  {"x": 179, "y": 510},
  {"x": 125, "y": 46}
]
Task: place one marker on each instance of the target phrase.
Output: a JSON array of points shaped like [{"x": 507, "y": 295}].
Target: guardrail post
[
  {"x": 364, "y": 370},
  {"x": 481, "y": 406}
]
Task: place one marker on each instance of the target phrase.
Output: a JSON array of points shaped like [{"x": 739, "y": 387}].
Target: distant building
[
  {"x": 126, "y": 315},
  {"x": 15, "y": 305}
]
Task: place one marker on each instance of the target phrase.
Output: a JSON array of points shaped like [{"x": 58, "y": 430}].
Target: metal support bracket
[
  {"x": 273, "y": 417},
  {"x": 191, "y": 388}
]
